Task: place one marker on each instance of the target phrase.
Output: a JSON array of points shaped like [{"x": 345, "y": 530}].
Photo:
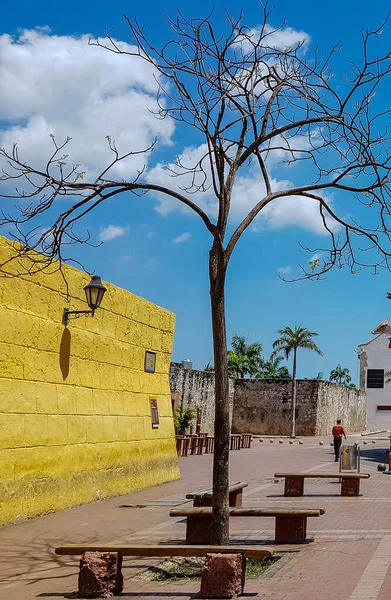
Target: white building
[{"x": 375, "y": 377}]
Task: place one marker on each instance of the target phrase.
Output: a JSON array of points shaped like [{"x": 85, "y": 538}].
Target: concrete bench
[
  {"x": 153, "y": 551},
  {"x": 205, "y": 497},
  {"x": 294, "y": 482},
  {"x": 290, "y": 528}
]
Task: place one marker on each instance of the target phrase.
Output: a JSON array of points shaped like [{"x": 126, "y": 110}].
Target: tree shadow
[{"x": 65, "y": 353}]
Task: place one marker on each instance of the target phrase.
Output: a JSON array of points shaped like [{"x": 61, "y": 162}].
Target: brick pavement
[{"x": 349, "y": 557}]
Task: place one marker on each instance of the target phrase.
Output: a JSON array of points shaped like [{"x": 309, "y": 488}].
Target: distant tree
[
  {"x": 271, "y": 369},
  {"x": 244, "y": 359},
  {"x": 183, "y": 418},
  {"x": 320, "y": 376},
  {"x": 209, "y": 367},
  {"x": 289, "y": 342},
  {"x": 340, "y": 375}
]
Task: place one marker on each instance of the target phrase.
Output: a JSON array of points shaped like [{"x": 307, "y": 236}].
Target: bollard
[
  {"x": 373, "y": 441},
  {"x": 261, "y": 439},
  {"x": 271, "y": 441},
  {"x": 291, "y": 441},
  {"x": 301, "y": 442},
  {"x": 280, "y": 441},
  {"x": 320, "y": 443},
  {"x": 364, "y": 442}
]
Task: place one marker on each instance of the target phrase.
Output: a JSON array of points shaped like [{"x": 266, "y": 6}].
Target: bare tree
[{"x": 247, "y": 99}]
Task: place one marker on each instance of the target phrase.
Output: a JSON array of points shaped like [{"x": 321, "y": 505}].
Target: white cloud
[
  {"x": 111, "y": 232},
  {"x": 181, "y": 238},
  {"x": 248, "y": 190},
  {"x": 59, "y": 85},
  {"x": 62, "y": 86},
  {"x": 282, "y": 38},
  {"x": 284, "y": 270},
  {"x": 316, "y": 256}
]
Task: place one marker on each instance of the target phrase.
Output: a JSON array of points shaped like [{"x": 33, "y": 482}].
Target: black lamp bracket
[{"x": 75, "y": 313}]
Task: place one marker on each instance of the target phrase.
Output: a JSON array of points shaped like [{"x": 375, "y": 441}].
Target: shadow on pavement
[{"x": 379, "y": 455}]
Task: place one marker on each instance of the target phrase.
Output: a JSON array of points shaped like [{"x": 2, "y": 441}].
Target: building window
[
  {"x": 385, "y": 407},
  {"x": 154, "y": 414},
  {"x": 375, "y": 378}
]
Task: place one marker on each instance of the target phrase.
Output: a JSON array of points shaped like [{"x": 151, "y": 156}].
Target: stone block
[
  {"x": 350, "y": 487},
  {"x": 291, "y": 529},
  {"x": 223, "y": 576},
  {"x": 100, "y": 575}
]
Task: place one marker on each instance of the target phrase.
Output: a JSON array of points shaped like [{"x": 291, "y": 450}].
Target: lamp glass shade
[{"x": 95, "y": 291}]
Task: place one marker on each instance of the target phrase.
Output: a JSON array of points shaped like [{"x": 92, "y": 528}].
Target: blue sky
[{"x": 164, "y": 258}]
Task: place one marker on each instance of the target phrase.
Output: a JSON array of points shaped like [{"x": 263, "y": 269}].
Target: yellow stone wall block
[
  {"x": 46, "y": 397},
  {"x": 75, "y": 415}
]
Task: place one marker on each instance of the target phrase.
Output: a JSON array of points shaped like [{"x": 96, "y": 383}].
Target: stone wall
[
  {"x": 75, "y": 402},
  {"x": 264, "y": 407},
  {"x": 337, "y": 401},
  {"x": 197, "y": 389}
]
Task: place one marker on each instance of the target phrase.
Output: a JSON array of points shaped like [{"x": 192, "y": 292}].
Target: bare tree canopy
[{"x": 249, "y": 102}]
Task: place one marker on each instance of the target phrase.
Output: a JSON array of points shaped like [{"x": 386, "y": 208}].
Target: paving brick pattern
[{"x": 348, "y": 556}]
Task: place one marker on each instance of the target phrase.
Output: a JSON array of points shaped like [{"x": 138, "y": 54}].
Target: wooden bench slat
[
  {"x": 249, "y": 512},
  {"x": 163, "y": 550},
  {"x": 324, "y": 475},
  {"x": 232, "y": 488}
]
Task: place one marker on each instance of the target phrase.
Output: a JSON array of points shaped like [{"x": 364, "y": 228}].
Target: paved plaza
[{"x": 348, "y": 555}]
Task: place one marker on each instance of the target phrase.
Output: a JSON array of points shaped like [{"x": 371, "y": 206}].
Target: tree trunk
[
  {"x": 220, "y": 513},
  {"x": 293, "y": 418}
]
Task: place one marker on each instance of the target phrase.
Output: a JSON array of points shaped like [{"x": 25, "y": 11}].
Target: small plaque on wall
[
  {"x": 150, "y": 361},
  {"x": 154, "y": 414}
]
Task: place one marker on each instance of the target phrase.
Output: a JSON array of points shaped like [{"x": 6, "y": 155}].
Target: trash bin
[{"x": 349, "y": 459}]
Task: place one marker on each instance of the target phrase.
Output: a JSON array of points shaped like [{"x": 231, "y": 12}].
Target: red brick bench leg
[
  {"x": 294, "y": 486},
  {"x": 291, "y": 529},
  {"x": 198, "y": 530},
  {"x": 200, "y": 501},
  {"x": 236, "y": 498},
  {"x": 100, "y": 575},
  {"x": 350, "y": 487}
]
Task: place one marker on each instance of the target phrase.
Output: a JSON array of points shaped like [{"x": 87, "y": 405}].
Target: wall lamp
[{"x": 94, "y": 291}]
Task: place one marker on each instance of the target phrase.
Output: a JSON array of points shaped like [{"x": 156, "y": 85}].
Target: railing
[{"x": 203, "y": 443}]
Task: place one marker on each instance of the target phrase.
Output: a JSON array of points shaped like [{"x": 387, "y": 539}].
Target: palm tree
[
  {"x": 244, "y": 359},
  {"x": 271, "y": 369},
  {"x": 237, "y": 365},
  {"x": 183, "y": 418},
  {"x": 340, "y": 375},
  {"x": 290, "y": 341}
]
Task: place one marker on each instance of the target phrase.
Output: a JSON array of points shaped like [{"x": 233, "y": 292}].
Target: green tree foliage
[
  {"x": 183, "y": 418},
  {"x": 272, "y": 369},
  {"x": 340, "y": 375},
  {"x": 243, "y": 358},
  {"x": 288, "y": 343}
]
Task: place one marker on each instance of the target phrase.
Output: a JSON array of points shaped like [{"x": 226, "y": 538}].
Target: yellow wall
[{"x": 75, "y": 420}]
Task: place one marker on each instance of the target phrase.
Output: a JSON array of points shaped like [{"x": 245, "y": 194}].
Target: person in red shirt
[{"x": 338, "y": 432}]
